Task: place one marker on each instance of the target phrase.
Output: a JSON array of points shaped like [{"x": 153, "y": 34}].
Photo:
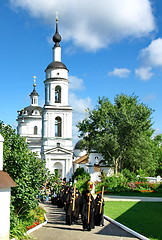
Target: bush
[
  {"x": 82, "y": 178},
  {"x": 81, "y": 184},
  {"x": 21, "y": 223},
  {"x": 159, "y": 189},
  {"x": 129, "y": 175},
  {"x": 113, "y": 184},
  {"x": 127, "y": 182},
  {"x": 147, "y": 186},
  {"x": 80, "y": 173}
]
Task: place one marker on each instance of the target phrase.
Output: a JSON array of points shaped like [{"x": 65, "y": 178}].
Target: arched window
[
  {"x": 35, "y": 130},
  {"x": 57, "y": 94},
  {"x": 57, "y": 127}
]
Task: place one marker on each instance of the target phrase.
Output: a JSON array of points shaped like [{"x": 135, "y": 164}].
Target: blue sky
[{"x": 110, "y": 47}]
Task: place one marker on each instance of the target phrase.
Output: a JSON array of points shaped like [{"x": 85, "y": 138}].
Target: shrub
[
  {"x": 113, "y": 184},
  {"x": 140, "y": 186},
  {"x": 81, "y": 184},
  {"x": 21, "y": 223},
  {"x": 130, "y": 176},
  {"x": 80, "y": 173},
  {"x": 159, "y": 189}
]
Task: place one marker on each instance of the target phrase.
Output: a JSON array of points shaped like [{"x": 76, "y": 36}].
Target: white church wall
[
  {"x": 26, "y": 128},
  {"x": 32, "y": 124},
  {"x": 56, "y": 73},
  {"x": 49, "y": 124},
  {"x": 95, "y": 158},
  {"x": 79, "y": 153},
  {"x": 22, "y": 129},
  {"x": 64, "y": 166}
]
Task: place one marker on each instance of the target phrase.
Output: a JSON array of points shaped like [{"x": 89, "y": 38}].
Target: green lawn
[{"x": 143, "y": 217}]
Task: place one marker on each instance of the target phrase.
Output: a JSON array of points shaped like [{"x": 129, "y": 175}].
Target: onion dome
[
  {"x": 34, "y": 93},
  {"x": 56, "y": 36},
  {"x": 56, "y": 65}
]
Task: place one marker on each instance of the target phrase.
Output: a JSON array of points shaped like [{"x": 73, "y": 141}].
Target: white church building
[{"x": 48, "y": 130}]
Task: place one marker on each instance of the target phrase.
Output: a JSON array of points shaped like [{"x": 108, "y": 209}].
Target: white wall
[{"x": 4, "y": 213}]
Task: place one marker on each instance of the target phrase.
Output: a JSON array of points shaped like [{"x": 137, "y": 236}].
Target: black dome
[
  {"x": 57, "y": 38},
  {"x": 30, "y": 109},
  {"x": 56, "y": 65},
  {"x": 78, "y": 145},
  {"x": 34, "y": 93}
]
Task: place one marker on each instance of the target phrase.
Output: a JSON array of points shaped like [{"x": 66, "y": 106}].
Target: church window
[
  {"x": 46, "y": 94},
  {"x": 35, "y": 101},
  {"x": 57, "y": 94},
  {"x": 57, "y": 127},
  {"x": 35, "y": 130}
]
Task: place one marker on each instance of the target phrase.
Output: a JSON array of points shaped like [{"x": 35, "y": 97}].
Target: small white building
[
  {"x": 92, "y": 163},
  {"x": 5, "y": 193}
]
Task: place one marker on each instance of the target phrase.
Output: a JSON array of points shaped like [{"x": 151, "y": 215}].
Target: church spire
[
  {"x": 57, "y": 40},
  {"x": 34, "y": 95}
]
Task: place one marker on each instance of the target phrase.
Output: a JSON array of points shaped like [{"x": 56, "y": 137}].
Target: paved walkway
[
  {"x": 131, "y": 198},
  {"x": 58, "y": 230}
]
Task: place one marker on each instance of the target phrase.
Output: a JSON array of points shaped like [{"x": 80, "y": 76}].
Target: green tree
[
  {"x": 25, "y": 169},
  {"x": 121, "y": 132},
  {"x": 158, "y": 144}
]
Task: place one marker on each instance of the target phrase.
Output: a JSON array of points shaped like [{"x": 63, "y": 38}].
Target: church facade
[{"x": 48, "y": 129}]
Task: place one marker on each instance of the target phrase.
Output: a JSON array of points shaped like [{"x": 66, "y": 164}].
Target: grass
[{"x": 143, "y": 217}]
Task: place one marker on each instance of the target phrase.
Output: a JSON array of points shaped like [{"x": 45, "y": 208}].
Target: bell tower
[{"x": 57, "y": 115}]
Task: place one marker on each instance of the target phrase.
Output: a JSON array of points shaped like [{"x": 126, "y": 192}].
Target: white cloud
[
  {"x": 152, "y": 55},
  {"x": 79, "y": 106},
  {"x": 144, "y": 73},
  {"x": 76, "y": 83},
  {"x": 150, "y": 97},
  {"x": 96, "y": 24},
  {"x": 120, "y": 72}
]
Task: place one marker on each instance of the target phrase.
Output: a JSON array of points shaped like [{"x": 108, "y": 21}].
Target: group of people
[{"x": 84, "y": 206}]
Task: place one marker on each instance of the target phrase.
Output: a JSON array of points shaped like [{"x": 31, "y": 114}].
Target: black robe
[
  {"x": 99, "y": 210},
  {"x": 69, "y": 208},
  {"x": 87, "y": 211}
]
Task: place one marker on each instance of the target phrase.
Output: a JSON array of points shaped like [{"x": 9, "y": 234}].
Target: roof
[
  {"x": 56, "y": 65},
  {"x": 34, "y": 93},
  {"x": 29, "y": 110},
  {"x": 82, "y": 160},
  {"x": 5, "y": 180}
]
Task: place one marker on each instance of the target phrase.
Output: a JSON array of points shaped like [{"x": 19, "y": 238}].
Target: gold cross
[
  {"x": 34, "y": 77},
  {"x": 56, "y": 16}
]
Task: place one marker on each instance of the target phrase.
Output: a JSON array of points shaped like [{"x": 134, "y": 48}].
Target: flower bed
[{"x": 33, "y": 225}]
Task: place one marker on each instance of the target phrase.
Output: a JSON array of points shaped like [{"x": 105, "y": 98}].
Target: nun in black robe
[
  {"x": 99, "y": 210},
  {"x": 87, "y": 210}
]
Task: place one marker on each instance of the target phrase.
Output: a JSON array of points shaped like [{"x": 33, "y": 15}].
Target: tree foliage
[
  {"x": 25, "y": 169},
  {"x": 80, "y": 173},
  {"x": 158, "y": 145},
  {"x": 121, "y": 132}
]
